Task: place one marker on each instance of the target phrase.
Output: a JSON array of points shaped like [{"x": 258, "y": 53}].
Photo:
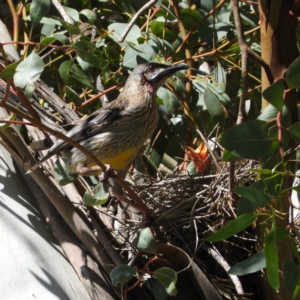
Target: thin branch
[
  {"x": 62, "y": 11},
  {"x": 244, "y": 58},
  {"x": 141, "y": 10}
]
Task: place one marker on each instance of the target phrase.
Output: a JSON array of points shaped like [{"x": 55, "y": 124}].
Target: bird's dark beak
[{"x": 165, "y": 73}]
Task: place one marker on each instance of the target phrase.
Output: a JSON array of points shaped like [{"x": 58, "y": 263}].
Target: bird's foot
[{"x": 110, "y": 172}]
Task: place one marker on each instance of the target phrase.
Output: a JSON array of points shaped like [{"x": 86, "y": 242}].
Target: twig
[
  {"x": 62, "y": 11},
  {"x": 223, "y": 263},
  {"x": 146, "y": 6}
]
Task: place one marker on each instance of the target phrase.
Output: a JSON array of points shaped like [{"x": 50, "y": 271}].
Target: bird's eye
[{"x": 151, "y": 68}]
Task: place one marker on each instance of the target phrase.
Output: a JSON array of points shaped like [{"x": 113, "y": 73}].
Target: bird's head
[{"x": 152, "y": 75}]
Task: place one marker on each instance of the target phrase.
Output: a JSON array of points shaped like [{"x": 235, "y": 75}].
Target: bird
[{"x": 118, "y": 130}]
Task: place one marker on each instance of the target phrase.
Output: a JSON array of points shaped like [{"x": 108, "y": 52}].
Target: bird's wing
[
  {"x": 96, "y": 123},
  {"x": 92, "y": 125}
]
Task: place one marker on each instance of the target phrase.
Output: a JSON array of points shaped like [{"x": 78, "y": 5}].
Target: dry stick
[
  {"x": 15, "y": 17},
  {"x": 223, "y": 263},
  {"x": 244, "y": 57},
  {"x": 245, "y": 52},
  {"x": 188, "y": 84},
  {"x": 62, "y": 11},
  {"x": 143, "y": 8}
]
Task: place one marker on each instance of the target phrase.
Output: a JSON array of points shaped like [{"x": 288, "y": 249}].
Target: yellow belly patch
[{"x": 120, "y": 161}]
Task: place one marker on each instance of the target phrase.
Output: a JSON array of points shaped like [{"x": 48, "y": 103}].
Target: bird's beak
[{"x": 165, "y": 73}]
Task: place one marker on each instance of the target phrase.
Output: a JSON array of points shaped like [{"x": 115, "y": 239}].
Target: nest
[{"x": 187, "y": 211}]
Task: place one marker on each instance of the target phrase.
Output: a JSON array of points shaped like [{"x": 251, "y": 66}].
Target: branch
[{"x": 143, "y": 8}]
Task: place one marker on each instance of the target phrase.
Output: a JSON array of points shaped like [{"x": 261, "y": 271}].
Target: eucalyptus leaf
[
  {"x": 168, "y": 277},
  {"x": 38, "y": 9},
  {"x": 233, "y": 227},
  {"x": 121, "y": 274},
  {"x": 146, "y": 241},
  {"x": 274, "y": 94},
  {"x": 254, "y": 195},
  {"x": 293, "y": 75},
  {"x": 271, "y": 256},
  {"x": 247, "y": 140},
  {"x": 291, "y": 275},
  {"x": 250, "y": 265},
  {"x": 72, "y": 75},
  {"x": 61, "y": 174},
  {"x": 294, "y": 131},
  {"x": 29, "y": 70}
]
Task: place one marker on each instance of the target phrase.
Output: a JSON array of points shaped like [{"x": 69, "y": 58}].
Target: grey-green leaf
[
  {"x": 38, "y": 9},
  {"x": 293, "y": 75},
  {"x": 168, "y": 278},
  {"x": 146, "y": 241},
  {"x": 121, "y": 274},
  {"x": 274, "y": 94},
  {"x": 250, "y": 265},
  {"x": 29, "y": 70}
]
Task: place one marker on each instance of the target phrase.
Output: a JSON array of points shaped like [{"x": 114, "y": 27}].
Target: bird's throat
[{"x": 149, "y": 87}]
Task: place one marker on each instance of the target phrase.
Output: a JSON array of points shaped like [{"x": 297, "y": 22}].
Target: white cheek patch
[{"x": 149, "y": 87}]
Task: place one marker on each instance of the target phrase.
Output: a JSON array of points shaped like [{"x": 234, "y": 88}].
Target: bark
[{"x": 279, "y": 50}]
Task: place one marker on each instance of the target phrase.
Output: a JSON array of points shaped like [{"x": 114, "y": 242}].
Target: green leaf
[
  {"x": 72, "y": 96},
  {"x": 271, "y": 256},
  {"x": 138, "y": 54},
  {"x": 146, "y": 241},
  {"x": 246, "y": 206},
  {"x": 72, "y": 28},
  {"x": 280, "y": 234},
  {"x": 99, "y": 196},
  {"x": 72, "y": 75},
  {"x": 61, "y": 175},
  {"x": 62, "y": 38},
  {"x": 38, "y": 9},
  {"x": 170, "y": 101},
  {"x": 228, "y": 156},
  {"x": 158, "y": 290},
  {"x": 29, "y": 70},
  {"x": 10, "y": 70},
  {"x": 117, "y": 29},
  {"x": 121, "y": 274},
  {"x": 89, "y": 14},
  {"x": 201, "y": 85},
  {"x": 261, "y": 171},
  {"x": 293, "y": 75},
  {"x": 168, "y": 278},
  {"x": 274, "y": 94},
  {"x": 250, "y": 265},
  {"x": 294, "y": 131},
  {"x": 214, "y": 106},
  {"x": 8, "y": 118},
  {"x": 247, "y": 140},
  {"x": 233, "y": 227},
  {"x": 254, "y": 195},
  {"x": 270, "y": 113},
  {"x": 220, "y": 76}
]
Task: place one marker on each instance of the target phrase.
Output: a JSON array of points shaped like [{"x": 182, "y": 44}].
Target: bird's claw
[{"x": 108, "y": 173}]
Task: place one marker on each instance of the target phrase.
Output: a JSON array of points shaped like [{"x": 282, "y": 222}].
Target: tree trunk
[{"x": 279, "y": 50}]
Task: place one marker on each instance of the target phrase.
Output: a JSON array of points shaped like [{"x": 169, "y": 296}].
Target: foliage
[{"x": 71, "y": 56}]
